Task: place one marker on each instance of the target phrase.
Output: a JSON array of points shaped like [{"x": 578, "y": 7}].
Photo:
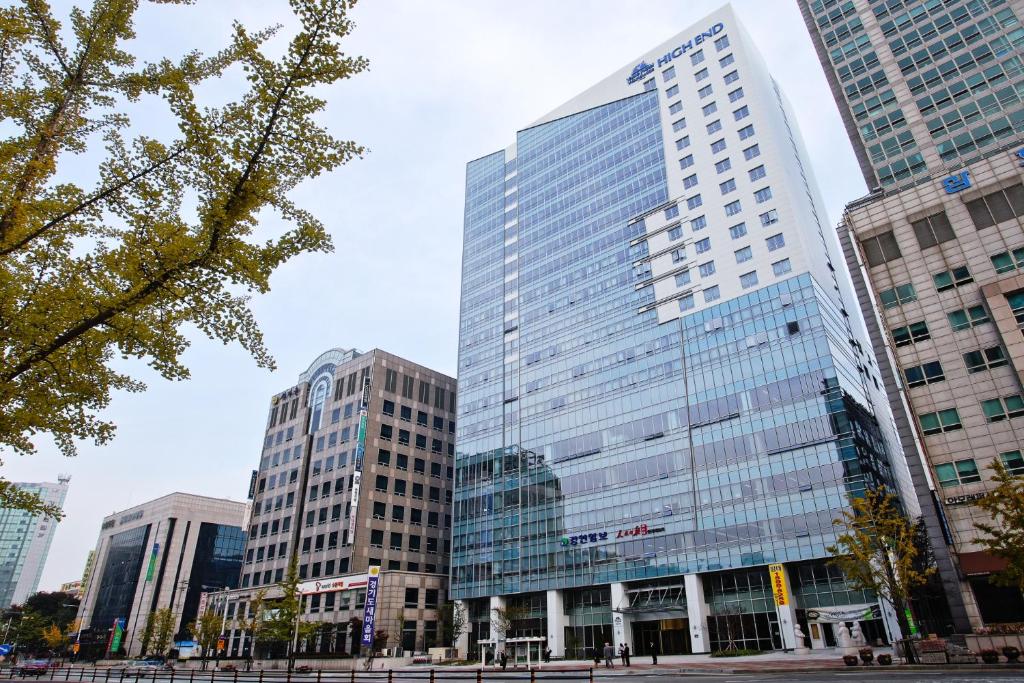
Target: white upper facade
[{"x": 749, "y": 211}]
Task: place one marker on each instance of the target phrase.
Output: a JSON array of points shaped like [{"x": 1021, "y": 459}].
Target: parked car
[
  {"x": 142, "y": 668},
  {"x": 32, "y": 667}
]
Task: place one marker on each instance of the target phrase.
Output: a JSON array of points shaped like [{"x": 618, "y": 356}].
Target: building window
[
  {"x": 744, "y": 254},
  {"x": 706, "y": 91},
  {"x": 763, "y": 195},
  {"x": 726, "y": 60},
  {"x": 969, "y": 317},
  {"x": 718, "y": 146},
  {"x": 947, "y": 280},
  {"x": 723, "y": 165},
  {"x": 775, "y": 242},
  {"x": 683, "y": 278},
  {"x": 928, "y": 373},
  {"x": 709, "y": 109},
  {"x": 381, "y": 483},
  {"x": 782, "y": 267},
  {"x": 728, "y": 186},
  {"x": 957, "y": 473},
  {"x": 675, "y": 232},
  {"x": 721, "y": 43},
  {"x": 672, "y": 92},
  {"x": 703, "y": 245},
  {"x": 736, "y": 94},
  {"x": 690, "y": 181},
  {"x": 741, "y": 113},
  {"x": 732, "y": 76},
  {"x": 748, "y": 280},
  {"x": 678, "y": 125},
  {"x": 881, "y": 248},
  {"x": 932, "y": 230},
  {"x": 1013, "y": 462},
  {"x": 697, "y": 57},
  {"x": 694, "y": 201},
  {"x": 757, "y": 173},
  {"x": 698, "y": 223},
  {"x": 675, "y": 107},
  {"x": 984, "y": 359},
  {"x": 941, "y": 421},
  {"x": 700, "y": 75},
  {"x": 897, "y": 296},
  {"x": 1016, "y": 302},
  {"x": 668, "y": 74},
  {"x": 686, "y": 302},
  {"x": 686, "y": 162},
  {"x": 1008, "y": 260},
  {"x": 738, "y": 230},
  {"x": 707, "y": 269},
  {"x": 751, "y": 152},
  {"x": 379, "y": 510},
  {"x": 714, "y": 127},
  {"x": 377, "y": 538},
  {"x": 998, "y": 409},
  {"x": 996, "y": 207},
  {"x": 746, "y": 132},
  {"x": 678, "y": 255},
  {"x": 733, "y": 208},
  {"x": 769, "y": 217},
  {"x": 910, "y": 334}
]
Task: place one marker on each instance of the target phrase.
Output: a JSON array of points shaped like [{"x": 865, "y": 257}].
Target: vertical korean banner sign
[{"x": 370, "y": 610}]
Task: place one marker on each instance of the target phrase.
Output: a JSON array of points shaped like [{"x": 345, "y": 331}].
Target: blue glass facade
[{"x": 597, "y": 446}]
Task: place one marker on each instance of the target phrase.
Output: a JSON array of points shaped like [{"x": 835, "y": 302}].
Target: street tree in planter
[
  {"x": 1004, "y": 535},
  {"x": 163, "y": 632},
  {"x": 285, "y": 626},
  {"x": 454, "y": 622},
  {"x": 206, "y": 630},
  {"x": 876, "y": 551}
]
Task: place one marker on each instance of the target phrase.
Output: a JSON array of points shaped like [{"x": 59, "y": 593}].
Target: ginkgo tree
[
  {"x": 876, "y": 549},
  {"x": 162, "y": 233}
]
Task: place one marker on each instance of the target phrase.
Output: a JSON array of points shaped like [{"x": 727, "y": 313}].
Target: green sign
[
  {"x": 910, "y": 621},
  {"x": 115, "y": 639},
  {"x": 152, "y": 562}
]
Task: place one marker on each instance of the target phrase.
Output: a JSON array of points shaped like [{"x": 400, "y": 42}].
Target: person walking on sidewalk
[
  {"x": 609, "y": 656},
  {"x": 654, "y": 652},
  {"x": 622, "y": 655},
  {"x": 625, "y": 653}
]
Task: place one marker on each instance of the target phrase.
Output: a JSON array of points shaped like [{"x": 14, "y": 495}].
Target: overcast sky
[{"x": 449, "y": 81}]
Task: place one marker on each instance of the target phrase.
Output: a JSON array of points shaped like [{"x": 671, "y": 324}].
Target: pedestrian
[
  {"x": 504, "y": 660},
  {"x": 622, "y": 655},
  {"x": 547, "y": 655},
  {"x": 609, "y": 656},
  {"x": 625, "y": 653},
  {"x": 654, "y": 652}
]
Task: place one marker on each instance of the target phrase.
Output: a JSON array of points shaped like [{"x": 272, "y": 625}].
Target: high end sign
[{"x": 643, "y": 68}]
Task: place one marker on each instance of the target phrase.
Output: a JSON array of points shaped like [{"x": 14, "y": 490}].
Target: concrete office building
[
  {"x": 25, "y": 541},
  {"x": 338, "y": 498},
  {"x": 164, "y": 553},
  {"x": 931, "y": 94},
  {"x": 665, "y": 384}
]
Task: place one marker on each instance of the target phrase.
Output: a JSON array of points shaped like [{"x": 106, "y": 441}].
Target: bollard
[
  {"x": 591, "y": 674},
  {"x": 191, "y": 675},
  {"x": 236, "y": 676},
  {"x": 431, "y": 676},
  {"x": 352, "y": 677},
  {"x": 479, "y": 675},
  {"x": 172, "y": 674},
  {"x": 122, "y": 674},
  {"x": 261, "y": 675},
  {"x": 533, "y": 676},
  {"x": 318, "y": 672}
]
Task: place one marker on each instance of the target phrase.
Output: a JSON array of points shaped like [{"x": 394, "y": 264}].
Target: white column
[
  {"x": 622, "y": 627},
  {"x": 892, "y": 623},
  {"x": 497, "y": 602},
  {"x": 462, "y": 642},
  {"x": 557, "y": 621},
  {"x": 697, "y": 611},
  {"x": 787, "y": 614}
]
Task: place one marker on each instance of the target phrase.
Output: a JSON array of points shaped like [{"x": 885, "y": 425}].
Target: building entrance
[{"x": 668, "y": 636}]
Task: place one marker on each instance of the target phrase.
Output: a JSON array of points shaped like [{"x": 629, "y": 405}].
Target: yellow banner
[{"x": 776, "y": 572}]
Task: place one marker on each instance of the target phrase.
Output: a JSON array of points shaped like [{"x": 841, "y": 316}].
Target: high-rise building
[
  {"x": 667, "y": 394},
  {"x": 25, "y": 540},
  {"x": 932, "y": 95},
  {"x": 162, "y": 554},
  {"x": 355, "y": 473}
]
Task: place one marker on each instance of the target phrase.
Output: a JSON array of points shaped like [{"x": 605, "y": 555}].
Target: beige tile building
[
  {"x": 932, "y": 95},
  {"x": 355, "y": 472}
]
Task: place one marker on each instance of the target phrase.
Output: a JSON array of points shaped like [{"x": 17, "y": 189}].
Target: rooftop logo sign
[
  {"x": 639, "y": 71},
  {"x": 643, "y": 68}
]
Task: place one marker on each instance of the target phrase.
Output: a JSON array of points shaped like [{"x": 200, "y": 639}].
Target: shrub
[
  {"x": 851, "y": 660},
  {"x": 989, "y": 656},
  {"x": 885, "y": 659},
  {"x": 735, "y": 653}
]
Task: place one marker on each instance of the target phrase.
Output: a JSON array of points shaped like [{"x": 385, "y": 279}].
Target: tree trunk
[{"x": 900, "y": 607}]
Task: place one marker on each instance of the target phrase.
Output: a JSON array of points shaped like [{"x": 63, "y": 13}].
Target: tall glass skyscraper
[
  {"x": 664, "y": 392},
  {"x": 25, "y": 541}
]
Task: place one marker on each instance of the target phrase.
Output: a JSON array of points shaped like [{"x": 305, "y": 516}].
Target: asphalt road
[{"x": 888, "y": 676}]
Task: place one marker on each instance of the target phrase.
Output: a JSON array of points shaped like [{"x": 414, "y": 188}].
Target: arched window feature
[{"x": 319, "y": 394}]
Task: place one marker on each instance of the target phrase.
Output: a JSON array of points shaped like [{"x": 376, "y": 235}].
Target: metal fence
[{"x": 116, "y": 675}]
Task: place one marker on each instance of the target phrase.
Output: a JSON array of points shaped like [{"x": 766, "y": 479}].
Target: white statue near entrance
[
  {"x": 856, "y": 634},
  {"x": 798, "y": 636}
]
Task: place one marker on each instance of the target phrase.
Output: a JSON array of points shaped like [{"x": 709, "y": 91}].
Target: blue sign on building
[
  {"x": 370, "y": 610},
  {"x": 1020, "y": 156},
  {"x": 957, "y": 182},
  {"x": 639, "y": 71}
]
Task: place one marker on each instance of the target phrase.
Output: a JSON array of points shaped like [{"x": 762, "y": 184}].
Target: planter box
[
  {"x": 977, "y": 643},
  {"x": 963, "y": 659},
  {"x": 933, "y": 658}
]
